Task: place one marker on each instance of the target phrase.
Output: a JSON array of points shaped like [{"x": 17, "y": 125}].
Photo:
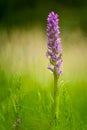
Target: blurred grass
[{"x": 26, "y": 85}]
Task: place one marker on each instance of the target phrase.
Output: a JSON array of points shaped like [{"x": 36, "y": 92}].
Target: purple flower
[{"x": 54, "y": 48}]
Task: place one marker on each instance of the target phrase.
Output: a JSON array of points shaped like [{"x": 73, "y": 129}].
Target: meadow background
[{"x": 26, "y": 85}]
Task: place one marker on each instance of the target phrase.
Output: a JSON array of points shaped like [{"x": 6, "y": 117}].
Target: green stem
[
  {"x": 55, "y": 103},
  {"x": 55, "y": 95}
]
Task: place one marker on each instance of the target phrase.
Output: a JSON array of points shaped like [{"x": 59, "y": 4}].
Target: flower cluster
[{"x": 54, "y": 48}]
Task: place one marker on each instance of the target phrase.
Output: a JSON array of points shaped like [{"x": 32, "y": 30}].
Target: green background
[{"x": 26, "y": 85}]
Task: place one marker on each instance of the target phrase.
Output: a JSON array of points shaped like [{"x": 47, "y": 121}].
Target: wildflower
[{"x": 54, "y": 48}]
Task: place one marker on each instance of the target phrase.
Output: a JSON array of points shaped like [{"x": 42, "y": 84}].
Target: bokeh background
[{"x": 23, "y": 63}]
